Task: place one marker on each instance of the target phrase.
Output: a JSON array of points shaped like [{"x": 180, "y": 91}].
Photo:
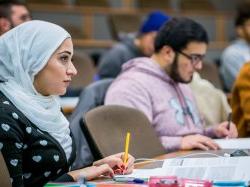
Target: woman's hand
[
  {"x": 222, "y": 130},
  {"x": 92, "y": 172},
  {"x": 116, "y": 163},
  {"x": 198, "y": 142}
]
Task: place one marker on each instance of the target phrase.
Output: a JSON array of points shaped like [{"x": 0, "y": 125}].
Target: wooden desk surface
[{"x": 187, "y": 154}]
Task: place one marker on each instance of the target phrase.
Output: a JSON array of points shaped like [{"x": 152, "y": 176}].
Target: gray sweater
[{"x": 112, "y": 61}]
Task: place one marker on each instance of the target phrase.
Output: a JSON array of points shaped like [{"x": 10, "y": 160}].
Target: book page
[
  {"x": 214, "y": 168},
  {"x": 145, "y": 173},
  {"x": 220, "y": 168}
]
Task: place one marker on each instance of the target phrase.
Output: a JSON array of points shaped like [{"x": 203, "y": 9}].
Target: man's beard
[
  {"x": 175, "y": 75},
  {"x": 11, "y": 23},
  {"x": 246, "y": 36}
]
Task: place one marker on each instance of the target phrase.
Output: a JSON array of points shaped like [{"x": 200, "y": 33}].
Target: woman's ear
[{"x": 4, "y": 25}]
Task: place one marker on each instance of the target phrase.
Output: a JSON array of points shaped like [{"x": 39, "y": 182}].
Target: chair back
[
  {"x": 123, "y": 24},
  {"x": 90, "y": 97},
  {"x": 76, "y": 32},
  {"x": 211, "y": 73},
  {"x": 59, "y": 2},
  {"x": 155, "y": 4},
  {"x": 197, "y": 5},
  {"x": 109, "y": 124},
  {"x": 85, "y": 70},
  {"x": 95, "y": 3},
  {"x": 4, "y": 173}
]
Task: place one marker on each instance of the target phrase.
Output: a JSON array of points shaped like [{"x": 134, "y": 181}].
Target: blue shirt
[{"x": 232, "y": 59}]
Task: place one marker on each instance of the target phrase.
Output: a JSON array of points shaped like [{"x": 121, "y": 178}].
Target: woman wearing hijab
[{"x": 35, "y": 140}]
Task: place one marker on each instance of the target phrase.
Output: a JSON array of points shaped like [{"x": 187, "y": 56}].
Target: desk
[
  {"x": 212, "y": 166},
  {"x": 188, "y": 154},
  {"x": 68, "y": 104}
]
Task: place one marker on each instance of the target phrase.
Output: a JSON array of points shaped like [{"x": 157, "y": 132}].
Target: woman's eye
[{"x": 64, "y": 58}]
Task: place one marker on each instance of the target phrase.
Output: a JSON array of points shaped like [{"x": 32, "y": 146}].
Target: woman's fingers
[
  {"x": 106, "y": 170},
  {"x": 129, "y": 165},
  {"x": 116, "y": 163},
  {"x": 112, "y": 161}
]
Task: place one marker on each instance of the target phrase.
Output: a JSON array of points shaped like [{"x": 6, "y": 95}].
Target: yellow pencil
[{"x": 125, "y": 158}]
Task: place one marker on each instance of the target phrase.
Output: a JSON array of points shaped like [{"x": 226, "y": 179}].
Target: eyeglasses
[
  {"x": 194, "y": 58},
  {"x": 25, "y": 17}
]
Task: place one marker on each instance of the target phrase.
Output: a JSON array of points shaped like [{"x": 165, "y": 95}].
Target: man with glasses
[
  {"x": 158, "y": 87},
  {"x": 12, "y": 13}
]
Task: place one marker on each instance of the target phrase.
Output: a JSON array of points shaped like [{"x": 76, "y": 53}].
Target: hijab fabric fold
[{"x": 24, "y": 51}]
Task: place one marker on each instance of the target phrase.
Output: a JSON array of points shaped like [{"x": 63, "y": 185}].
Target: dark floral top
[{"x": 33, "y": 156}]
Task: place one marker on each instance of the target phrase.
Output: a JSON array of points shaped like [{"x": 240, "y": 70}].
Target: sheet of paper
[
  {"x": 237, "y": 143},
  {"x": 219, "y": 168},
  {"x": 213, "y": 168},
  {"x": 145, "y": 173}
]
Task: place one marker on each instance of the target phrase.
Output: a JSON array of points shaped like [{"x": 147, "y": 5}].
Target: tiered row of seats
[{"x": 98, "y": 24}]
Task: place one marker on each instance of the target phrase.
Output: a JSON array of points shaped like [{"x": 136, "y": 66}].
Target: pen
[
  {"x": 125, "y": 157},
  {"x": 229, "y": 119},
  {"x": 130, "y": 179},
  {"x": 81, "y": 181}
]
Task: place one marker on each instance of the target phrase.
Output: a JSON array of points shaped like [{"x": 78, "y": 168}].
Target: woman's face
[{"x": 56, "y": 76}]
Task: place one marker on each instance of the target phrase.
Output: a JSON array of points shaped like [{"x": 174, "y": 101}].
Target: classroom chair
[
  {"x": 85, "y": 70},
  {"x": 4, "y": 173},
  {"x": 196, "y": 5},
  {"x": 156, "y": 4},
  {"x": 58, "y": 2},
  {"x": 97, "y": 3},
  {"x": 122, "y": 24},
  {"x": 211, "y": 73},
  {"x": 109, "y": 124},
  {"x": 90, "y": 97}
]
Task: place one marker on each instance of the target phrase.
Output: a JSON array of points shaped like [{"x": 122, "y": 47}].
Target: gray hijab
[{"x": 24, "y": 51}]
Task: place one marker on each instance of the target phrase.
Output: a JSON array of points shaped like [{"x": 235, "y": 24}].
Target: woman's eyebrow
[{"x": 65, "y": 52}]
